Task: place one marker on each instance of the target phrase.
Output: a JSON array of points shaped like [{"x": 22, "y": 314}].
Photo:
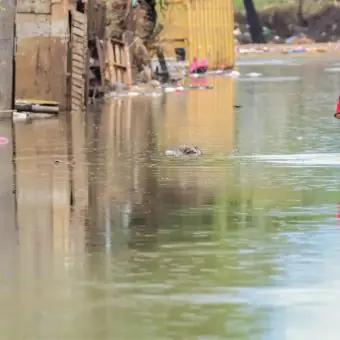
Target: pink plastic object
[{"x": 4, "y": 140}]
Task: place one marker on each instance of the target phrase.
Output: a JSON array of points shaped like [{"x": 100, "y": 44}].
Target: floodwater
[{"x": 105, "y": 238}]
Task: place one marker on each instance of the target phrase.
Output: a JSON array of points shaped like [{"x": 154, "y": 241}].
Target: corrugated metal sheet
[
  {"x": 203, "y": 27},
  {"x": 211, "y": 25},
  {"x": 34, "y": 6}
]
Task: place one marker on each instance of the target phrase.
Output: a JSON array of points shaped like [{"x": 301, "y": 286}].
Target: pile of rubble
[{"x": 281, "y": 26}]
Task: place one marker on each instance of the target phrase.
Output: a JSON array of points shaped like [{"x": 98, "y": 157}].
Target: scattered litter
[
  {"x": 254, "y": 74},
  {"x": 296, "y": 50},
  {"x": 184, "y": 150},
  {"x": 124, "y": 94},
  {"x": 200, "y": 87},
  {"x": 169, "y": 89},
  {"x": 154, "y": 94},
  {"x": 233, "y": 74},
  {"x": 3, "y": 140},
  {"x": 37, "y": 106},
  {"x": 332, "y": 69},
  {"x": 269, "y": 79}
]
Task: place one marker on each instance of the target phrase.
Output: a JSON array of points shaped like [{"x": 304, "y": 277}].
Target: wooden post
[{"x": 7, "y": 54}]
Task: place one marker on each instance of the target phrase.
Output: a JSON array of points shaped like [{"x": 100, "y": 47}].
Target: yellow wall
[{"x": 203, "y": 27}]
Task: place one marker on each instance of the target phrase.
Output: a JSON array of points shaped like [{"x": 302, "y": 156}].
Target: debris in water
[
  {"x": 3, "y": 140},
  {"x": 184, "y": 150},
  {"x": 36, "y": 105},
  {"x": 200, "y": 87},
  {"x": 332, "y": 69},
  {"x": 233, "y": 74},
  {"x": 199, "y": 68},
  {"x": 337, "y": 110},
  {"x": 254, "y": 74}
]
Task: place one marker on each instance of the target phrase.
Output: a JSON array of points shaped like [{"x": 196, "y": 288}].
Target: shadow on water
[{"x": 113, "y": 240}]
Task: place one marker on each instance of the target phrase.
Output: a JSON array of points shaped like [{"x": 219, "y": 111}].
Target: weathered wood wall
[
  {"x": 45, "y": 40},
  {"x": 42, "y": 45},
  {"x": 6, "y": 53}
]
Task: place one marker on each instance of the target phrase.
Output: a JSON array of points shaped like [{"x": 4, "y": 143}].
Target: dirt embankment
[{"x": 282, "y": 25}]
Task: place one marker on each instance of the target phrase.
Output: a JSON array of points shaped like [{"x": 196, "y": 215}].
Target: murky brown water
[{"x": 244, "y": 247}]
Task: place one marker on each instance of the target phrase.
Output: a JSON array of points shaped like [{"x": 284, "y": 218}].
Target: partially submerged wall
[{"x": 42, "y": 30}]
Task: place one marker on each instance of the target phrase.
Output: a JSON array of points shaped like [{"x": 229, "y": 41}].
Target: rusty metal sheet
[{"x": 34, "y": 6}]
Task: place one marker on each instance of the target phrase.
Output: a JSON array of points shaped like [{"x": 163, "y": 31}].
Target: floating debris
[
  {"x": 332, "y": 69},
  {"x": 36, "y": 106},
  {"x": 233, "y": 74},
  {"x": 154, "y": 94},
  {"x": 269, "y": 79},
  {"x": 254, "y": 74},
  {"x": 184, "y": 150},
  {"x": 200, "y": 87},
  {"x": 337, "y": 110},
  {"x": 3, "y": 140},
  {"x": 29, "y": 116}
]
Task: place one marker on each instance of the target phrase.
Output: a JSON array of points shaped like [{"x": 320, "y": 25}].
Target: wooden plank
[
  {"x": 78, "y": 76},
  {"x": 77, "y": 82},
  {"x": 77, "y": 53},
  {"x": 121, "y": 70},
  {"x": 34, "y": 6},
  {"x": 78, "y": 24},
  {"x": 120, "y": 66},
  {"x": 101, "y": 61},
  {"x": 78, "y": 31},
  {"x": 117, "y": 60},
  {"x": 76, "y": 103},
  {"x": 78, "y": 49},
  {"x": 77, "y": 16},
  {"x": 128, "y": 38},
  {"x": 78, "y": 66},
  {"x": 76, "y": 88},
  {"x": 78, "y": 58},
  {"x": 118, "y": 42},
  {"x": 77, "y": 95},
  {"x": 110, "y": 63}
]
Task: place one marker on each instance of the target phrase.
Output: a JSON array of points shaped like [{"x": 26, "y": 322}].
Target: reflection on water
[{"x": 104, "y": 238}]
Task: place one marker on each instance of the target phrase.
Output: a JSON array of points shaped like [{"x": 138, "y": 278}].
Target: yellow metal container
[{"x": 203, "y": 27}]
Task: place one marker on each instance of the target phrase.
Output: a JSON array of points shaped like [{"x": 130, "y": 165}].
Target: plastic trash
[{"x": 3, "y": 140}]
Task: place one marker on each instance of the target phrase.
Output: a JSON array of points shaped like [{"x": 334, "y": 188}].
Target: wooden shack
[
  {"x": 203, "y": 28},
  {"x": 51, "y": 56}
]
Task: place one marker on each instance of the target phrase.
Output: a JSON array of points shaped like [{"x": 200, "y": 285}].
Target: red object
[
  {"x": 338, "y": 106},
  {"x": 194, "y": 65},
  {"x": 337, "y": 110},
  {"x": 338, "y": 212}
]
